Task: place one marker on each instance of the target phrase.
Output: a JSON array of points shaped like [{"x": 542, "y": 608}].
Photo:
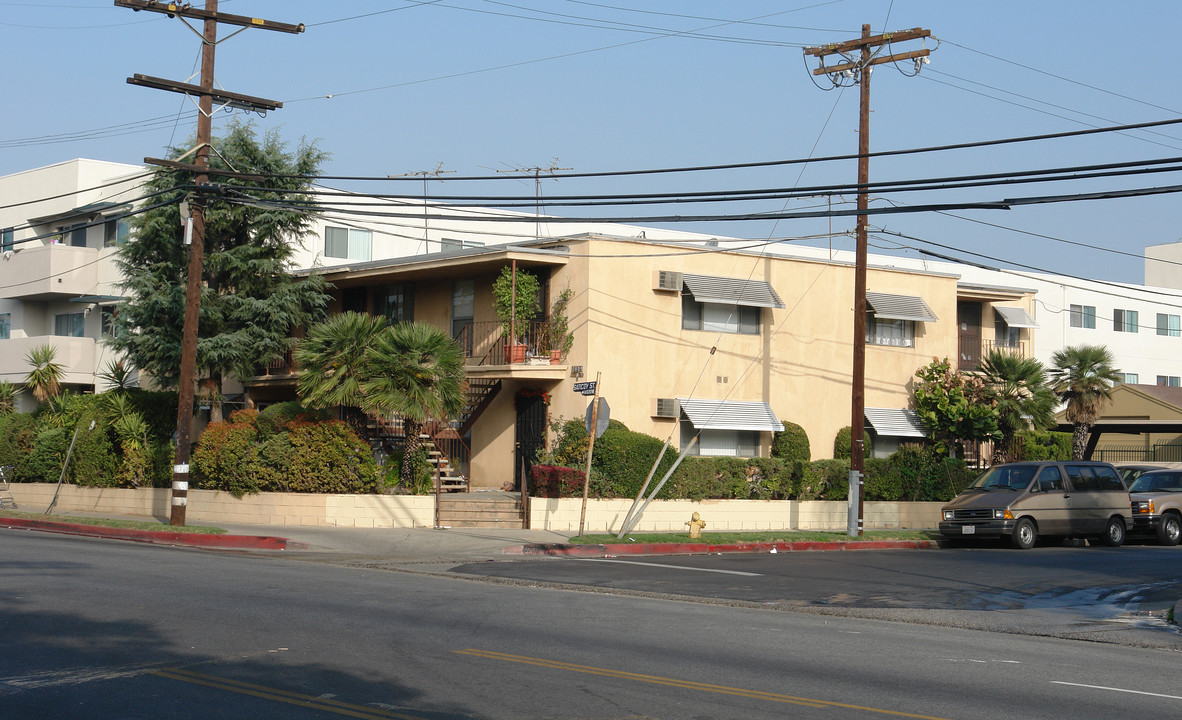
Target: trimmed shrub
[
  {"x": 17, "y": 433},
  {"x": 549, "y": 481},
  {"x": 225, "y": 459},
  {"x": 825, "y": 480},
  {"x": 278, "y": 417},
  {"x": 158, "y": 408},
  {"x": 49, "y": 452},
  {"x": 625, "y": 458},
  {"x": 94, "y": 462},
  {"x": 792, "y": 444},
  {"x": 841, "y": 443},
  {"x": 1044, "y": 445},
  {"x": 330, "y": 458}
]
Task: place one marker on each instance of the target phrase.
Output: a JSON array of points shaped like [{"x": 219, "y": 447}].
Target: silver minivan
[{"x": 1024, "y": 500}]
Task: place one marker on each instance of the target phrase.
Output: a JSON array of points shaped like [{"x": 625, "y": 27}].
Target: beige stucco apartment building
[{"x": 683, "y": 340}]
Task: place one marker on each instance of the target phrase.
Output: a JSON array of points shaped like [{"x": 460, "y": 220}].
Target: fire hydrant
[{"x": 696, "y": 523}]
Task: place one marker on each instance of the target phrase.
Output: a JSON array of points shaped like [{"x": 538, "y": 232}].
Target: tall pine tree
[{"x": 249, "y": 300}]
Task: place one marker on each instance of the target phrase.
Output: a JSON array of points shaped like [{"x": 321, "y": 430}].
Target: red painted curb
[
  {"x": 156, "y": 536},
  {"x": 707, "y": 549}
]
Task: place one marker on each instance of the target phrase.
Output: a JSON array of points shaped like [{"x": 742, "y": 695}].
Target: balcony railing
[
  {"x": 485, "y": 344},
  {"x": 973, "y": 349}
]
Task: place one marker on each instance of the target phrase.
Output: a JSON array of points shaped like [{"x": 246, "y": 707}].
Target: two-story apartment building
[{"x": 720, "y": 343}]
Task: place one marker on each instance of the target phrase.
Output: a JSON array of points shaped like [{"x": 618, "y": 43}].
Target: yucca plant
[
  {"x": 45, "y": 379},
  {"x": 118, "y": 376},
  {"x": 8, "y": 393}
]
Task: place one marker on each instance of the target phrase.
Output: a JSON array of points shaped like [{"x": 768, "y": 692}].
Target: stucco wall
[{"x": 405, "y": 511}]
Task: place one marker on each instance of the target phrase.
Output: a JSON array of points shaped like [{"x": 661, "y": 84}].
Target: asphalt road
[{"x": 102, "y": 629}]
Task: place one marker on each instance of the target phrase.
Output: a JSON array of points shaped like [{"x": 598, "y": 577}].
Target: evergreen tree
[{"x": 249, "y": 301}]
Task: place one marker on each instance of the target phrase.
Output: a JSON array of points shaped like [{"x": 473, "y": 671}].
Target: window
[
  {"x": 5, "y": 326},
  {"x": 396, "y": 302},
  {"x": 69, "y": 325},
  {"x": 718, "y": 317},
  {"x": 1128, "y": 378},
  {"x": 1169, "y": 325},
  {"x": 447, "y": 244},
  {"x": 1005, "y": 336},
  {"x": 1169, "y": 381},
  {"x": 116, "y": 232},
  {"x": 1124, "y": 321},
  {"x": 1050, "y": 479},
  {"x": 463, "y": 304},
  {"x": 347, "y": 243},
  {"x": 109, "y": 315},
  {"x": 75, "y": 234},
  {"x": 895, "y": 333},
  {"x": 728, "y": 428},
  {"x": 6, "y": 242},
  {"x": 1083, "y": 316}
]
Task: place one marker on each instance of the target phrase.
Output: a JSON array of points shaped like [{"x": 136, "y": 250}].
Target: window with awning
[
  {"x": 719, "y": 304},
  {"x": 890, "y": 319},
  {"x": 728, "y": 428}
]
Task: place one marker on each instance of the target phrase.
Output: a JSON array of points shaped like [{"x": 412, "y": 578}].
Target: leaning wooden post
[{"x": 590, "y": 450}]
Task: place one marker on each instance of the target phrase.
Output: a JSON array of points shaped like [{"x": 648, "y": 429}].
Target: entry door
[
  {"x": 531, "y": 432},
  {"x": 968, "y": 317}
]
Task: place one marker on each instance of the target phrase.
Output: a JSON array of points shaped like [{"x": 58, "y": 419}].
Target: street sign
[
  {"x": 601, "y": 417},
  {"x": 586, "y": 388}
]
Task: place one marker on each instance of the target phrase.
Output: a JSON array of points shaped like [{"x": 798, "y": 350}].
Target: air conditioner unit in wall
[
  {"x": 667, "y": 280},
  {"x": 665, "y": 408}
]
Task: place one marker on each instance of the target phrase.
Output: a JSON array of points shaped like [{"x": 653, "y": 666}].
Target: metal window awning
[
  {"x": 730, "y": 415},
  {"x": 97, "y": 209},
  {"x": 732, "y": 291},
  {"x": 1015, "y": 317},
  {"x": 899, "y": 307},
  {"x": 889, "y": 422}
]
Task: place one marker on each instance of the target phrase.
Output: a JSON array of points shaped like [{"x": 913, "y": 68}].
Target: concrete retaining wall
[{"x": 378, "y": 511}]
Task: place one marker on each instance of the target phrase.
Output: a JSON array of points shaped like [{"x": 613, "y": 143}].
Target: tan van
[{"x": 1024, "y": 500}]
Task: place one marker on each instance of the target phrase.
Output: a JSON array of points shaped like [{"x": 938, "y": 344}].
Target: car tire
[
  {"x": 1114, "y": 532},
  {"x": 1025, "y": 534},
  {"x": 1169, "y": 530}
]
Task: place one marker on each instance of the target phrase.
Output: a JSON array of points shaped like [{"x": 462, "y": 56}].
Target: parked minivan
[{"x": 1024, "y": 500}]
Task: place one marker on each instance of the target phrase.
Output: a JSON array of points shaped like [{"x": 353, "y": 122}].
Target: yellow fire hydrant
[{"x": 696, "y": 523}]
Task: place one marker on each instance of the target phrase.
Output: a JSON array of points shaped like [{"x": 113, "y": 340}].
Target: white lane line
[
  {"x": 675, "y": 567},
  {"x": 1123, "y": 690}
]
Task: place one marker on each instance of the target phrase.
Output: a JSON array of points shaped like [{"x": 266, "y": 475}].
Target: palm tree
[
  {"x": 417, "y": 371},
  {"x": 333, "y": 360},
  {"x": 1018, "y": 386},
  {"x": 1083, "y": 378},
  {"x": 45, "y": 379}
]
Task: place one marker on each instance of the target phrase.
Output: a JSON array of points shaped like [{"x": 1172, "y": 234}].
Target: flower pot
[
  {"x": 555, "y": 357},
  {"x": 517, "y": 353}
]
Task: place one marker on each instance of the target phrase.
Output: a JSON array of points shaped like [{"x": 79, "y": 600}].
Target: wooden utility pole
[
  {"x": 859, "y": 56},
  {"x": 206, "y": 95}
]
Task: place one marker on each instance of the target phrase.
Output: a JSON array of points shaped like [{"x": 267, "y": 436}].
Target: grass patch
[
  {"x": 150, "y": 525},
  {"x": 767, "y": 536}
]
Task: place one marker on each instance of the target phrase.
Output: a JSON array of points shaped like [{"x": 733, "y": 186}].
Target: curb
[
  {"x": 161, "y": 537},
  {"x": 613, "y": 550}
]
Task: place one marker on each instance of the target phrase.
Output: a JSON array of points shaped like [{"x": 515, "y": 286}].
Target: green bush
[
  {"x": 699, "y": 478},
  {"x": 225, "y": 458},
  {"x": 842, "y": 442},
  {"x": 330, "y": 458},
  {"x": 424, "y": 474},
  {"x": 549, "y": 481},
  {"x": 276, "y": 418},
  {"x": 17, "y": 434},
  {"x": 792, "y": 444},
  {"x": 625, "y": 459},
  {"x": 158, "y": 408},
  {"x": 825, "y": 480},
  {"x": 1044, "y": 445},
  {"x": 94, "y": 462},
  {"x": 49, "y": 452}
]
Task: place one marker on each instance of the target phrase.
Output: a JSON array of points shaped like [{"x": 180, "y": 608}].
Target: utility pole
[
  {"x": 206, "y": 95},
  {"x": 860, "y": 55}
]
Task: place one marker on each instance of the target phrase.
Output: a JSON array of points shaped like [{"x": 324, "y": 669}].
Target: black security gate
[{"x": 531, "y": 431}]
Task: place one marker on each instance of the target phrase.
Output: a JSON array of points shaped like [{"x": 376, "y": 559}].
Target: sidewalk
[{"x": 421, "y": 545}]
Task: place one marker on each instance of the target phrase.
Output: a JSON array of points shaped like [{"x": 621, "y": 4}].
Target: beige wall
[{"x": 207, "y": 507}]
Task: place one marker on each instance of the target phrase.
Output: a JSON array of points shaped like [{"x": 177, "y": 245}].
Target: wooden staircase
[
  {"x": 448, "y": 478},
  {"x": 481, "y": 510}
]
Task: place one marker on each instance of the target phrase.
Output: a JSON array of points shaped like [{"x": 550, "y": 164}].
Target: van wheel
[
  {"x": 1025, "y": 534},
  {"x": 1114, "y": 533},
  {"x": 1169, "y": 531}
]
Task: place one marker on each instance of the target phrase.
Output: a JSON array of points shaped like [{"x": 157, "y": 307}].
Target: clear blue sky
[{"x": 601, "y": 86}]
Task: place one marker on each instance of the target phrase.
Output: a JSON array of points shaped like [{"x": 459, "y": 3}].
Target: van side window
[
  {"x": 1108, "y": 478},
  {"x": 1049, "y": 478},
  {"x": 1082, "y": 478}
]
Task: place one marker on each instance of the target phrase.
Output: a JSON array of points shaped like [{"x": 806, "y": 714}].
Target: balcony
[
  {"x": 46, "y": 272},
  {"x": 76, "y": 355},
  {"x": 973, "y": 349},
  {"x": 488, "y": 354}
]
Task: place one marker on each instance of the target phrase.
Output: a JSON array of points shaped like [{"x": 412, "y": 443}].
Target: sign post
[{"x": 593, "y": 431}]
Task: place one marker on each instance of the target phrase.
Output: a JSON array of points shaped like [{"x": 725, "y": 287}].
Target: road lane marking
[
  {"x": 685, "y": 684},
  {"x": 674, "y": 567},
  {"x": 1113, "y": 689},
  {"x": 269, "y": 693}
]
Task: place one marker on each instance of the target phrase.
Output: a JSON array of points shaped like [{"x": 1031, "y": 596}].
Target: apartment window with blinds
[
  {"x": 347, "y": 243},
  {"x": 1169, "y": 325},
  {"x": 1124, "y": 321},
  {"x": 1083, "y": 316},
  {"x": 1128, "y": 378},
  {"x": 718, "y": 317},
  {"x": 893, "y": 333},
  {"x": 1169, "y": 381}
]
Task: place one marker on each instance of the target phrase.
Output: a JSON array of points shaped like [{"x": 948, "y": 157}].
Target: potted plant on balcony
[
  {"x": 516, "y": 304},
  {"x": 559, "y": 338}
]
